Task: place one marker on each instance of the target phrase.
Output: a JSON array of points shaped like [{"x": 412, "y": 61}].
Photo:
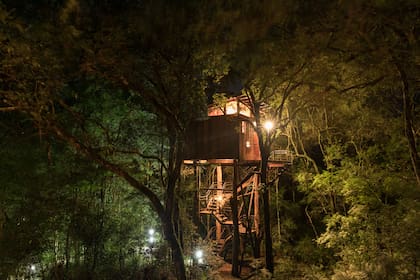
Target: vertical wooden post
[
  {"x": 219, "y": 184},
  {"x": 196, "y": 205},
  {"x": 256, "y": 183},
  {"x": 257, "y": 219},
  {"x": 235, "y": 220},
  {"x": 278, "y": 209}
]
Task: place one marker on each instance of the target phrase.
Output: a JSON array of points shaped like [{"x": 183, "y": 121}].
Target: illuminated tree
[{"x": 122, "y": 50}]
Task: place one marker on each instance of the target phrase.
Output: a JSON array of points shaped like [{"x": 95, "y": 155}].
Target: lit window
[
  {"x": 244, "y": 110},
  {"x": 231, "y": 108}
]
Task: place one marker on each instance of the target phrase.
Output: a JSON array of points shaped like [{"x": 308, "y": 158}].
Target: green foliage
[
  {"x": 29, "y": 202},
  {"x": 119, "y": 81},
  {"x": 366, "y": 197},
  {"x": 64, "y": 215}
]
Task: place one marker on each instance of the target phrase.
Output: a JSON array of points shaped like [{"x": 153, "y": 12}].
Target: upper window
[{"x": 232, "y": 107}]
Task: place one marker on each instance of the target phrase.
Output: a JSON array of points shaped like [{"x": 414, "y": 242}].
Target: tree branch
[
  {"x": 144, "y": 156},
  {"x": 8, "y": 109},
  {"x": 90, "y": 153}
]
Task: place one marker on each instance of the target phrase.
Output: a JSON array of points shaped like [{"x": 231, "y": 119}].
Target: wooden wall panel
[{"x": 222, "y": 137}]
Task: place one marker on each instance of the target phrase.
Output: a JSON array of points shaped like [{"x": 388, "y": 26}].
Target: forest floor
[{"x": 226, "y": 270}]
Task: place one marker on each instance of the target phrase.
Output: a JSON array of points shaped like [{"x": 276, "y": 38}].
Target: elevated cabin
[
  {"x": 220, "y": 149},
  {"x": 227, "y": 134}
]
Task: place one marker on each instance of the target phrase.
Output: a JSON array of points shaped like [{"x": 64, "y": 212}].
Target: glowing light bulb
[
  {"x": 248, "y": 144},
  {"x": 199, "y": 254},
  {"x": 268, "y": 125}
]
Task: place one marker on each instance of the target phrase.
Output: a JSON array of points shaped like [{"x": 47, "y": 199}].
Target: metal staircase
[{"x": 215, "y": 202}]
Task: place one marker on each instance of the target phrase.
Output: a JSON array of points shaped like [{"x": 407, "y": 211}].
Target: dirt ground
[{"x": 226, "y": 269}]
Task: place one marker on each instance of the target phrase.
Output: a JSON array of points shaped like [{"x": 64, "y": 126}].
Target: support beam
[
  {"x": 219, "y": 175},
  {"x": 257, "y": 220},
  {"x": 256, "y": 183},
  {"x": 235, "y": 219}
]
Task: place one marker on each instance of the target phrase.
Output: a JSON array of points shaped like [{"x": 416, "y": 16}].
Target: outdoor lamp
[
  {"x": 268, "y": 125},
  {"x": 199, "y": 256}
]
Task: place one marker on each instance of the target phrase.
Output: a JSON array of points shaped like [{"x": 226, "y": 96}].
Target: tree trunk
[
  {"x": 177, "y": 255},
  {"x": 403, "y": 63},
  {"x": 67, "y": 251},
  {"x": 257, "y": 245},
  {"x": 196, "y": 202},
  {"x": 264, "y": 145},
  {"x": 70, "y": 224},
  {"x": 165, "y": 215},
  {"x": 408, "y": 122},
  {"x": 269, "y": 262},
  {"x": 170, "y": 217}
]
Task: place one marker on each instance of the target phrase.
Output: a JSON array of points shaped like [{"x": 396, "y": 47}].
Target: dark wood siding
[
  {"x": 249, "y": 148},
  {"x": 222, "y": 137}
]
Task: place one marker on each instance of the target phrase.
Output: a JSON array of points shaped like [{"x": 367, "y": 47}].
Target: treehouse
[
  {"x": 225, "y": 136},
  {"x": 223, "y": 151}
]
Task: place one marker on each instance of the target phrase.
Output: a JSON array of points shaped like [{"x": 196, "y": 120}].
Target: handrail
[{"x": 281, "y": 155}]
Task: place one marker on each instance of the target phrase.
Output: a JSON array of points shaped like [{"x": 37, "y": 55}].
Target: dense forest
[{"x": 96, "y": 97}]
